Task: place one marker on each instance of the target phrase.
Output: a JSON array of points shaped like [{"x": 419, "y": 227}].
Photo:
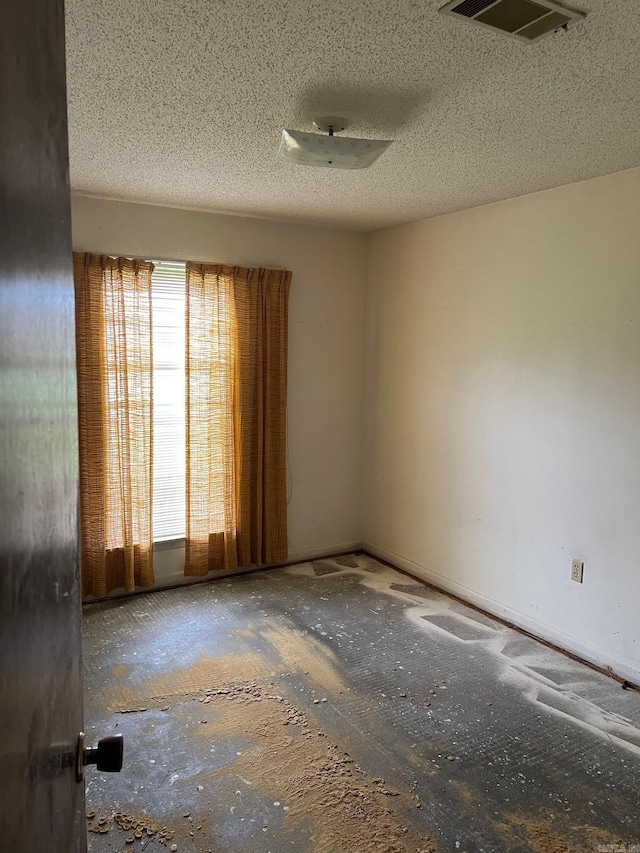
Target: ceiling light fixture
[{"x": 332, "y": 152}]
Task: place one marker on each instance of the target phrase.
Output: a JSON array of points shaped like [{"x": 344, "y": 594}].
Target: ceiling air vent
[{"x": 525, "y": 20}]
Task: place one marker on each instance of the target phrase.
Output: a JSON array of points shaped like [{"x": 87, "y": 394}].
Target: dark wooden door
[{"x": 41, "y": 803}]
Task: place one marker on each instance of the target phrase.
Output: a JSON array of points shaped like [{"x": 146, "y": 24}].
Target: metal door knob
[{"x": 107, "y": 755}]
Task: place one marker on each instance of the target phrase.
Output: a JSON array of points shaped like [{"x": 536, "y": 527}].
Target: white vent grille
[{"x": 527, "y": 20}]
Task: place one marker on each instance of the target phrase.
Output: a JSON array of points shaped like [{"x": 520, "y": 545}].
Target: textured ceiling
[{"x": 181, "y": 103}]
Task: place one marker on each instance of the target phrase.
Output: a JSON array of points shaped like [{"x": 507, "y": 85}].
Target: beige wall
[
  {"x": 326, "y": 344},
  {"x": 503, "y": 410}
]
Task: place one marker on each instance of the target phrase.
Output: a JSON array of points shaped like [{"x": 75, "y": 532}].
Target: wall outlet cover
[{"x": 577, "y": 571}]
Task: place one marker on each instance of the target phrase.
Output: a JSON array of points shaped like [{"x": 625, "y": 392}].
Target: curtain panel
[
  {"x": 115, "y": 368},
  {"x": 236, "y": 416}
]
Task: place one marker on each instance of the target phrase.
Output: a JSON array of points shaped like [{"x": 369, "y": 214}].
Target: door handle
[{"x": 107, "y": 755}]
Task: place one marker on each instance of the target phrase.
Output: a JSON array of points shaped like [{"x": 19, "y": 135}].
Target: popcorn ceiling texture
[{"x": 181, "y": 103}]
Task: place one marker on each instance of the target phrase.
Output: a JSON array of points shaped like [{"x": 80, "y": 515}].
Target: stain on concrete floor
[{"x": 333, "y": 706}]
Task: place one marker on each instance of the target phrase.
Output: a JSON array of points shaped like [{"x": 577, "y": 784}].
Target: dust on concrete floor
[{"x": 339, "y": 705}]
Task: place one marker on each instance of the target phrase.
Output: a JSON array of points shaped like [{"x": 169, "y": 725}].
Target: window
[{"x": 168, "y": 305}]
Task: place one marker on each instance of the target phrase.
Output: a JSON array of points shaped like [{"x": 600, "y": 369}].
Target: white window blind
[{"x": 168, "y": 305}]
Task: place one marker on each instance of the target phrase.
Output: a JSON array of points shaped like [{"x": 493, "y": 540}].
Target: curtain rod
[{"x": 182, "y": 261}]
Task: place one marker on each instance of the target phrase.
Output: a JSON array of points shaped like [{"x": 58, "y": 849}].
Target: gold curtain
[
  {"x": 115, "y": 365},
  {"x": 236, "y": 374}
]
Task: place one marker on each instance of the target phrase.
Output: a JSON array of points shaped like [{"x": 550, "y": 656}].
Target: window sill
[{"x": 169, "y": 544}]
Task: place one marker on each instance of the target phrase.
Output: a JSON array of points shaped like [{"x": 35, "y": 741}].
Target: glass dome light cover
[{"x": 332, "y": 152}]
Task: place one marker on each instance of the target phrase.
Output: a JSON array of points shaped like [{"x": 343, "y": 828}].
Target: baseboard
[
  {"x": 325, "y": 551},
  {"x": 620, "y": 668}
]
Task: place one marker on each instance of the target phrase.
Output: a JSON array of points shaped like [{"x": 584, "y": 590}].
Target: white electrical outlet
[{"x": 577, "y": 570}]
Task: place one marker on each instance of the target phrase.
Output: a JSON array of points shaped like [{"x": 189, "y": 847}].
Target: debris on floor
[{"x": 340, "y": 707}]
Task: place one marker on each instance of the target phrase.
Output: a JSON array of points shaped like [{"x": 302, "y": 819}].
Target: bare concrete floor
[{"x": 341, "y": 706}]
